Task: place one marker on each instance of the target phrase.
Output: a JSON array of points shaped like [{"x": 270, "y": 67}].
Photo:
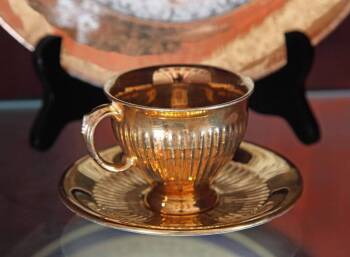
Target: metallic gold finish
[
  {"x": 256, "y": 187},
  {"x": 179, "y": 124}
]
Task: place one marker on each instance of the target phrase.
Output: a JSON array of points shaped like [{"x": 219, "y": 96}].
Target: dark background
[{"x": 331, "y": 69}]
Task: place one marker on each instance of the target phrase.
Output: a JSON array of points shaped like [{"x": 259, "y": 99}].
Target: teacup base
[{"x": 180, "y": 199}]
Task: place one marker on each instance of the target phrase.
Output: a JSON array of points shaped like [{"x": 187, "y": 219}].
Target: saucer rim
[{"x": 250, "y": 223}]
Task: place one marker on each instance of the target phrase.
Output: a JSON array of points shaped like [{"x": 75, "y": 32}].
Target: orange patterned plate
[
  {"x": 254, "y": 189},
  {"x": 105, "y": 37}
]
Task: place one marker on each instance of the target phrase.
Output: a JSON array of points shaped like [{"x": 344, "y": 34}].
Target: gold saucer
[{"x": 257, "y": 186}]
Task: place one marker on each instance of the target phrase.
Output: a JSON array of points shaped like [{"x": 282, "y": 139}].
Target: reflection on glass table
[
  {"x": 34, "y": 220},
  {"x": 85, "y": 239}
]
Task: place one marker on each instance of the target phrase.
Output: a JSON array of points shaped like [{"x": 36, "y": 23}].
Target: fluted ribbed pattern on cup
[{"x": 181, "y": 155}]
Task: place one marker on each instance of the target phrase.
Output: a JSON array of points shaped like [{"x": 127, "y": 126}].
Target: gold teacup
[{"x": 178, "y": 123}]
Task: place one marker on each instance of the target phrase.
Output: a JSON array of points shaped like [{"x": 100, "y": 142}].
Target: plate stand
[{"x": 66, "y": 98}]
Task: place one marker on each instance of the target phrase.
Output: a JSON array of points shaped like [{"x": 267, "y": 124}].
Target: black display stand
[{"x": 66, "y": 98}]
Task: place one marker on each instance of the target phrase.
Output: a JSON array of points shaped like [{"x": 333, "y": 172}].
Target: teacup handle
[{"x": 90, "y": 122}]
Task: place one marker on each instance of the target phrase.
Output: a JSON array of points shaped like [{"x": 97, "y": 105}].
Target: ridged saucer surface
[{"x": 256, "y": 187}]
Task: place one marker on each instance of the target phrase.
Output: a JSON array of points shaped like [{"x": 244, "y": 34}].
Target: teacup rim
[{"x": 246, "y": 81}]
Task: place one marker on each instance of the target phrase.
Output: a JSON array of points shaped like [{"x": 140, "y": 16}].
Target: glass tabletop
[{"x": 34, "y": 222}]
